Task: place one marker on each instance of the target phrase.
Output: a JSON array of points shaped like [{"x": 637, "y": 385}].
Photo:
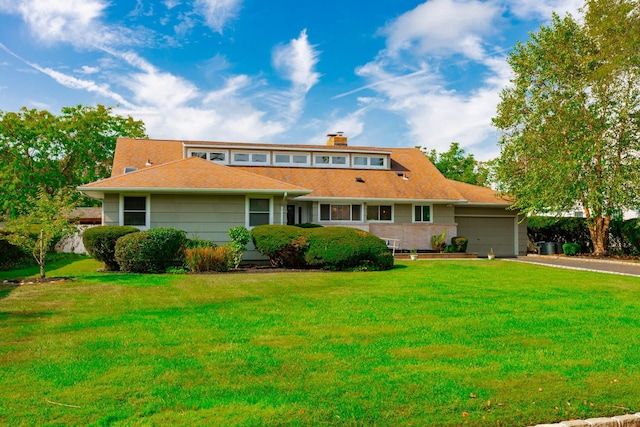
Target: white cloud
[
  {"x": 443, "y": 27},
  {"x": 78, "y": 22},
  {"x": 88, "y": 70},
  {"x": 527, "y": 9},
  {"x": 218, "y": 13},
  {"x": 295, "y": 61},
  {"x": 170, "y": 4}
]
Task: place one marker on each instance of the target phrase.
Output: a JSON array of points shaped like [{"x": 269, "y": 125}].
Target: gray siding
[
  {"x": 111, "y": 209},
  {"x": 402, "y": 213},
  {"x": 203, "y": 216},
  {"x": 443, "y": 214}
]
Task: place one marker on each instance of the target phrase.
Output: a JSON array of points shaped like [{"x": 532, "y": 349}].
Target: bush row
[
  {"x": 158, "y": 249},
  {"x": 624, "y": 236},
  {"x": 334, "y": 248}
]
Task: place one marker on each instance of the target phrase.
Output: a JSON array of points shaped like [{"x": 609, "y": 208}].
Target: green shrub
[
  {"x": 339, "y": 248},
  {"x": 459, "y": 244},
  {"x": 239, "y": 238},
  {"x": 100, "y": 243},
  {"x": 219, "y": 258},
  {"x": 150, "y": 251},
  {"x": 571, "y": 249},
  {"x": 283, "y": 244},
  {"x": 195, "y": 242},
  {"x": 11, "y": 256},
  {"x": 631, "y": 233}
]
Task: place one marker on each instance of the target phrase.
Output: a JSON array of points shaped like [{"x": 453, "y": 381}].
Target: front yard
[{"x": 441, "y": 343}]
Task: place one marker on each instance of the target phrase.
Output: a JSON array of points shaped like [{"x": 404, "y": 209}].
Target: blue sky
[{"x": 398, "y": 73}]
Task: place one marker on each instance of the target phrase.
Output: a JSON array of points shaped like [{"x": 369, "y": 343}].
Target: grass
[{"x": 441, "y": 343}]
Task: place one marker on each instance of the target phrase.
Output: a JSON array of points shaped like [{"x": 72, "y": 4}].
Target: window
[
  {"x": 300, "y": 159},
  {"x": 378, "y": 213},
  {"x": 282, "y": 158},
  {"x": 259, "y": 158},
  {"x": 241, "y": 157},
  {"x": 338, "y": 160},
  {"x": 259, "y": 212},
  {"x": 340, "y": 212},
  {"x": 201, "y": 154},
  {"x": 422, "y": 213},
  {"x": 134, "y": 211},
  {"x": 322, "y": 160},
  {"x": 360, "y": 161},
  {"x": 376, "y": 161},
  {"x": 217, "y": 157}
]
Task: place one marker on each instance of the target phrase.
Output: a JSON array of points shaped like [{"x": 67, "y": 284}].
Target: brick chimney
[{"x": 337, "y": 139}]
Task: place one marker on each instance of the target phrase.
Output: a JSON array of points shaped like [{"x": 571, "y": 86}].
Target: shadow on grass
[
  {"x": 23, "y": 317},
  {"x": 5, "y": 290}
]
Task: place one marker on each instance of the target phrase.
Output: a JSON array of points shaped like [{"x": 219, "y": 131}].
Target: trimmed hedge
[
  {"x": 285, "y": 245},
  {"x": 151, "y": 251},
  {"x": 100, "y": 243},
  {"x": 333, "y": 248}
]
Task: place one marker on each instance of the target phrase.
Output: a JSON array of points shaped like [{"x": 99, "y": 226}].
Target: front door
[{"x": 291, "y": 214}]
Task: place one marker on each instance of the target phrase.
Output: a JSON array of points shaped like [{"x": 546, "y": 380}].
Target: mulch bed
[{"x": 37, "y": 280}]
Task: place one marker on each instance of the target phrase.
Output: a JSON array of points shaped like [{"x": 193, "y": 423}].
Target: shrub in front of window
[
  {"x": 100, "y": 243},
  {"x": 151, "y": 251},
  {"x": 571, "y": 249},
  {"x": 340, "y": 248},
  {"x": 285, "y": 245},
  {"x": 208, "y": 258}
]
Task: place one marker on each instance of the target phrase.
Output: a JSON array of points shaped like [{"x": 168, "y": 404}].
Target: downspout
[{"x": 284, "y": 203}]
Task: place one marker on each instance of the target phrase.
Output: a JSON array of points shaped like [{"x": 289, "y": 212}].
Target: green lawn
[{"x": 438, "y": 343}]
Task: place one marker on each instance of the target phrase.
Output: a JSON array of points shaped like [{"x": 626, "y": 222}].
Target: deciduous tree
[
  {"x": 456, "y": 164},
  {"x": 40, "y": 150},
  {"x": 47, "y": 220},
  {"x": 570, "y": 120}
]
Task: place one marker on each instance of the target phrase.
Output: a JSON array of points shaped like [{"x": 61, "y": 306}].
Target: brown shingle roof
[
  {"x": 411, "y": 175},
  {"x": 192, "y": 173},
  {"x": 475, "y": 194}
]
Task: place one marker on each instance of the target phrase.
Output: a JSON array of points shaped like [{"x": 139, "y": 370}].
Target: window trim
[
  {"x": 331, "y": 164},
  {"x": 351, "y": 205},
  {"x": 422, "y": 205},
  {"x": 386, "y": 221},
  {"x": 307, "y": 156},
  {"x": 247, "y": 212},
  {"x": 385, "y": 161},
  {"x": 147, "y": 217},
  {"x": 233, "y": 161}
]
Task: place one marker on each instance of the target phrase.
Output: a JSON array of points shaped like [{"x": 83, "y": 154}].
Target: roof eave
[{"x": 99, "y": 192}]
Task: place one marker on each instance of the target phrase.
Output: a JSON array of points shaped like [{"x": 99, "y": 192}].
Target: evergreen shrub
[
  {"x": 285, "y": 245},
  {"x": 100, "y": 243},
  {"x": 571, "y": 249},
  {"x": 151, "y": 251},
  {"x": 340, "y": 248}
]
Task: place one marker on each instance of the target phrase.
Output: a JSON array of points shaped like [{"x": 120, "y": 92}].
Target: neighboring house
[
  {"x": 85, "y": 217},
  {"x": 205, "y": 188}
]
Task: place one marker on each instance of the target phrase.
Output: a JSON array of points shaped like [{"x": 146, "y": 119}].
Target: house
[{"x": 205, "y": 188}]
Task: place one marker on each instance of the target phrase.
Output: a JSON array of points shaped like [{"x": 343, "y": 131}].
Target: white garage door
[{"x": 485, "y": 234}]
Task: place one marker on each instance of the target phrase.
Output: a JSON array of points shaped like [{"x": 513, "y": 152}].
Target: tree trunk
[
  {"x": 599, "y": 231},
  {"x": 42, "y": 254}
]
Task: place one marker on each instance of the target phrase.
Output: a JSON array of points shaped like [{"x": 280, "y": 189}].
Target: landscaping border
[{"x": 628, "y": 420}]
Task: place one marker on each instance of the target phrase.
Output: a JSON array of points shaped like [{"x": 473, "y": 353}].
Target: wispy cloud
[
  {"x": 542, "y": 9},
  {"x": 218, "y": 13}
]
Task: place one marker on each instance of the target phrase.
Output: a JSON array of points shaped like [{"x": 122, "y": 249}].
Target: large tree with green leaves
[
  {"x": 41, "y": 150},
  {"x": 570, "y": 120},
  {"x": 456, "y": 164}
]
